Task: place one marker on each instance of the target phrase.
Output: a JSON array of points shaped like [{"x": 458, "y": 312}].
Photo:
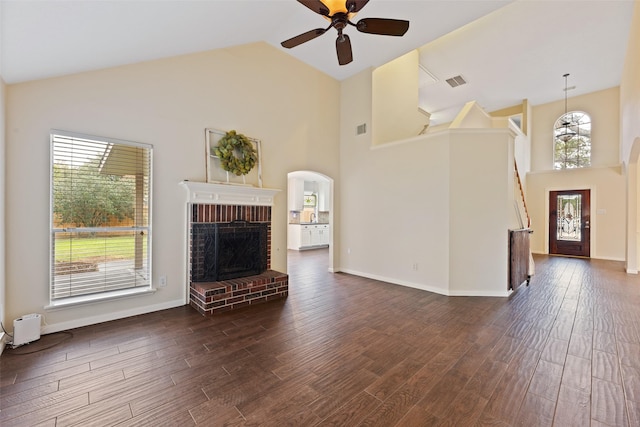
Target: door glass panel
[{"x": 569, "y": 214}]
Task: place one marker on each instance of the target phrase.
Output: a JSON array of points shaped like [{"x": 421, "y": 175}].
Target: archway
[{"x": 310, "y": 211}]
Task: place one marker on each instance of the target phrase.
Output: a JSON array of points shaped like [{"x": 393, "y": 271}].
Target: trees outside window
[
  {"x": 572, "y": 141},
  {"x": 100, "y": 216}
]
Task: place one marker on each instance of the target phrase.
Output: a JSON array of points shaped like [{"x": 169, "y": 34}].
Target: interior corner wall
[
  {"x": 255, "y": 89},
  {"x": 394, "y": 216},
  {"x": 395, "y": 100},
  {"x": 481, "y": 210},
  {"x": 413, "y": 211}
]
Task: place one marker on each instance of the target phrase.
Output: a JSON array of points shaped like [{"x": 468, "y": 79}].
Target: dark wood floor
[{"x": 348, "y": 351}]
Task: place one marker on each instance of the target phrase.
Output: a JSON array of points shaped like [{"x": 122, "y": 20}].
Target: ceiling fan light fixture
[
  {"x": 339, "y": 13},
  {"x": 566, "y": 134},
  {"x": 336, "y": 6}
]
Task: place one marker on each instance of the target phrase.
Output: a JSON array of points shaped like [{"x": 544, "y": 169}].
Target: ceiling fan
[{"x": 339, "y": 13}]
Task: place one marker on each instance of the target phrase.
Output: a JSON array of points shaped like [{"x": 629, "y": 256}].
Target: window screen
[{"x": 100, "y": 215}]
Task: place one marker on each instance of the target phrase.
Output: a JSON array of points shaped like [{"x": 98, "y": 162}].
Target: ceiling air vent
[{"x": 456, "y": 81}]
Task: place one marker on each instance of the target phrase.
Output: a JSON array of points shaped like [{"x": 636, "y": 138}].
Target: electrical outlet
[
  {"x": 163, "y": 281},
  {"x": 415, "y": 266}
]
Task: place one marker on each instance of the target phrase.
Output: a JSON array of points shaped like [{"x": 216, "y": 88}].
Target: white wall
[{"x": 255, "y": 89}]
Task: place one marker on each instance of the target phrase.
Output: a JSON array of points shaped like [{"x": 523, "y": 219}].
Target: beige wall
[
  {"x": 630, "y": 141},
  {"x": 3, "y": 161},
  {"x": 602, "y": 106},
  {"x": 255, "y": 89},
  {"x": 630, "y": 89},
  {"x": 428, "y": 202},
  {"x": 481, "y": 210},
  {"x": 395, "y": 100}
]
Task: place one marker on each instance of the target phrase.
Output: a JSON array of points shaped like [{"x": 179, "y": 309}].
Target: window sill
[{"x": 97, "y": 298}]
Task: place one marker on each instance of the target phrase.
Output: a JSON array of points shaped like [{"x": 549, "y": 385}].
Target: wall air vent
[
  {"x": 361, "y": 129},
  {"x": 456, "y": 81}
]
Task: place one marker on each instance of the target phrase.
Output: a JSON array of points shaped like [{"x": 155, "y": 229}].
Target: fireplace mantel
[{"x": 228, "y": 194}]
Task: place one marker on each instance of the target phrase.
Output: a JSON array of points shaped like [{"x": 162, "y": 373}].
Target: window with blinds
[{"x": 100, "y": 216}]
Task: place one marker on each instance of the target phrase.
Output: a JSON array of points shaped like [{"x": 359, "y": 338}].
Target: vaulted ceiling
[{"x": 506, "y": 50}]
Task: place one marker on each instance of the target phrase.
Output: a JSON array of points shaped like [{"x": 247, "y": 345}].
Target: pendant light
[{"x": 566, "y": 133}]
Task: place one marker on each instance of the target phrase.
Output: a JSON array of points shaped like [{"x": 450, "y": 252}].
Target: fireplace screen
[{"x": 223, "y": 251}]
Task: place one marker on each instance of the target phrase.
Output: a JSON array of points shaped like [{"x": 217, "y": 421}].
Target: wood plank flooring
[{"x": 348, "y": 351}]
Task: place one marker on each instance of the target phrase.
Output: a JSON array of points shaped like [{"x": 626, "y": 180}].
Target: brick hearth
[{"x": 217, "y": 297}]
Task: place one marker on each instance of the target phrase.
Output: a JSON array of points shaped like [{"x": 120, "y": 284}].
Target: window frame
[{"x": 140, "y": 285}]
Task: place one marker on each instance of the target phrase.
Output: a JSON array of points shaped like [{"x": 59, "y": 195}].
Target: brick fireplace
[{"x": 224, "y": 222}]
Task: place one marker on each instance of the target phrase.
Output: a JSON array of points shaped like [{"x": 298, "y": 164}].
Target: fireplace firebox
[{"x": 222, "y": 251}]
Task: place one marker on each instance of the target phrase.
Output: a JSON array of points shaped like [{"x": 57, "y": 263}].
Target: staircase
[{"x": 522, "y": 211}]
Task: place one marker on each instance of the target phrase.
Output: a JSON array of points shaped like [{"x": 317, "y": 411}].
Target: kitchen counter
[{"x": 308, "y": 223}]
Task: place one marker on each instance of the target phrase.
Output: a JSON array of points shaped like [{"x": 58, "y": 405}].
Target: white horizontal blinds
[{"x": 100, "y": 219}]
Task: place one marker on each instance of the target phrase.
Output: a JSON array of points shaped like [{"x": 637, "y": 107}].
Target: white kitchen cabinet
[
  {"x": 305, "y": 235},
  {"x": 308, "y": 236},
  {"x": 295, "y": 194},
  {"x": 324, "y": 235},
  {"x": 323, "y": 196}
]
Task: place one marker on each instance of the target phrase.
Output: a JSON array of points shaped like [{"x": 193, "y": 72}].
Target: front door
[{"x": 569, "y": 226}]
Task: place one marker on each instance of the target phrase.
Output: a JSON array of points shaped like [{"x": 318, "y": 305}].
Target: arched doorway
[{"x": 310, "y": 213}]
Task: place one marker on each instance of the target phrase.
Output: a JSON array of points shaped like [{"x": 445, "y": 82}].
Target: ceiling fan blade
[
  {"x": 354, "y": 6},
  {"x": 385, "y": 27},
  {"x": 317, "y": 6},
  {"x": 343, "y": 48},
  {"x": 302, "y": 38}
]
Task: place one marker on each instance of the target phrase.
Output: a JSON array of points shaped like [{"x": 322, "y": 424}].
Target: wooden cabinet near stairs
[{"x": 519, "y": 254}]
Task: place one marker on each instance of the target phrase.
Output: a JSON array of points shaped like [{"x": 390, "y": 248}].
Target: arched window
[{"x": 572, "y": 141}]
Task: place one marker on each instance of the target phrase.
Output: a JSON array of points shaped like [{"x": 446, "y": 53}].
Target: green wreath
[{"x": 236, "y": 153}]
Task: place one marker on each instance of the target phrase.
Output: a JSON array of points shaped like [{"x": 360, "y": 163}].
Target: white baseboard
[
  {"x": 393, "y": 281},
  {"x": 631, "y": 271},
  {"x": 431, "y": 288},
  {"x": 476, "y": 293},
  {"x": 86, "y": 321},
  {"x": 609, "y": 258}
]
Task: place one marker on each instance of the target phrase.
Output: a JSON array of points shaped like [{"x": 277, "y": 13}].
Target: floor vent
[{"x": 456, "y": 81}]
